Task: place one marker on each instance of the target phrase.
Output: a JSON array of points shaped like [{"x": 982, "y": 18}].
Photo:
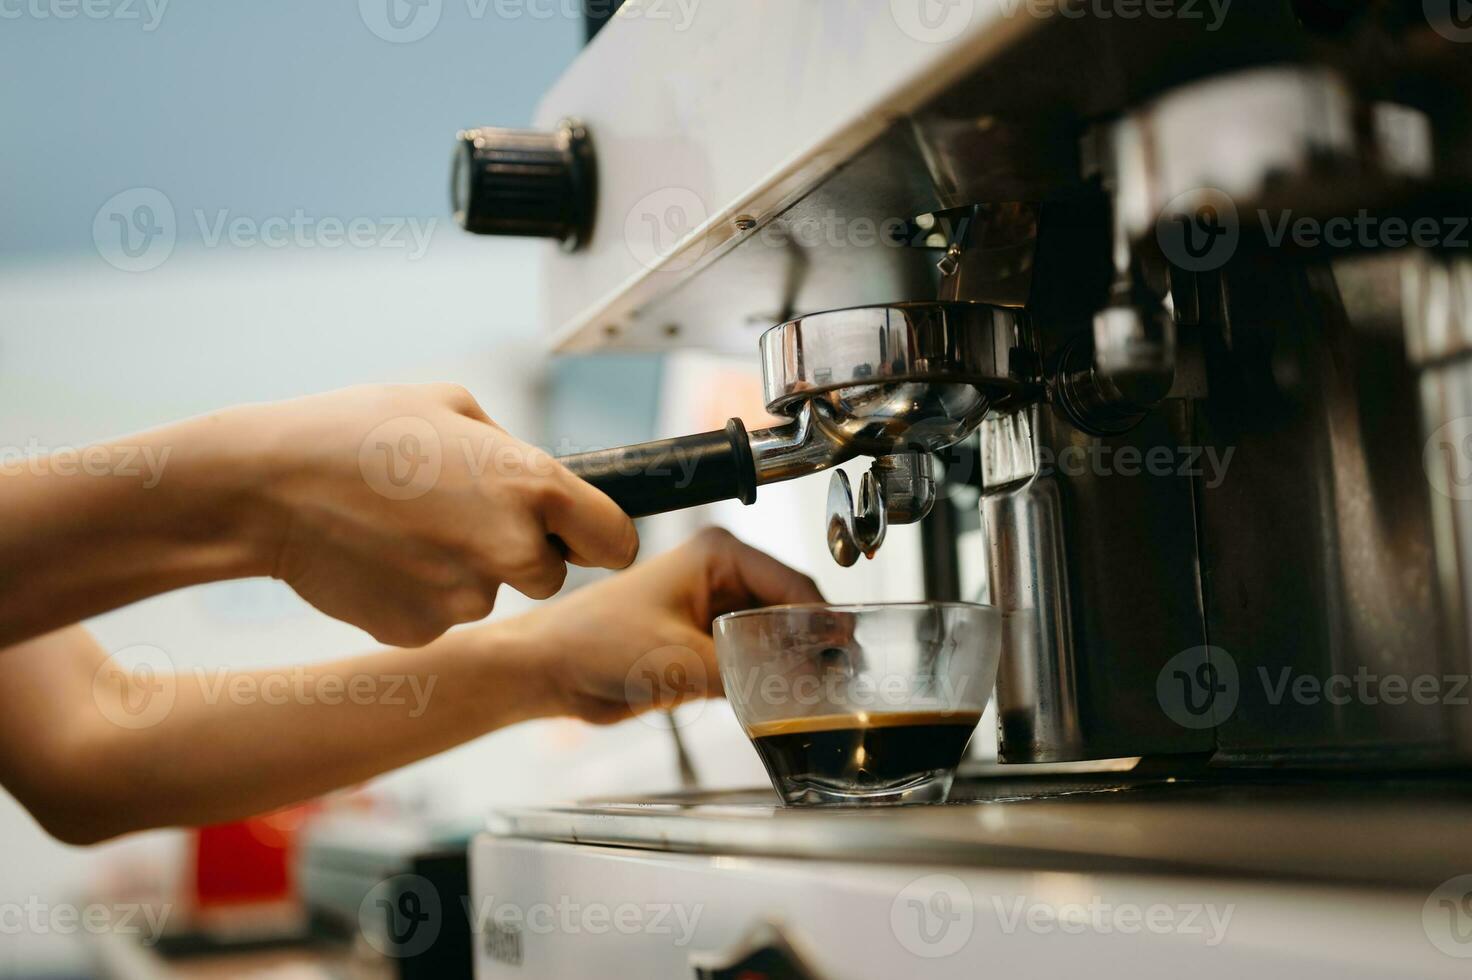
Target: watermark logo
[
  {"x": 401, "y": 21},
  {"x": 1206, "y": 463},
  {"x": 304, "y": 685},
  {"x": 933, "y": 916},
  {"x": 141, "y": 462},
  {"x": 138, "y": 229},
  {"x": 662, "y": 680},
  {"x": 1105, "y": 918},
  {"x": 135, "y": 230},
  {"x": 1199, "y": 230},
  {"x": 1363, "y": 687},
  {"x": 1452, "y": 19},
  {"x": 37, "y": 917},
  {"x": 1213, "y": 13},
  {"x": 659, "y": 223},
  {"x": 135, "y": 687},
  {"x": 1363, "y": 230},
  {"x": 680, "y": 14},
  {"x": 411, "y": 235},
  {"x": 401, "y": 916},
  {"x": 1447, "y": 917},
  {"x": 1447, "y": 459},
  {"x": 148, "y": 13},
  {"x": 401, "y": 459},
  {"x": 933, "y": 21},
  {"x": 841, "y": 685},
  {"x": 504, "y": 923},
  {"x": 407, "y": 21},
  {"x": 1198, "y": 688}
]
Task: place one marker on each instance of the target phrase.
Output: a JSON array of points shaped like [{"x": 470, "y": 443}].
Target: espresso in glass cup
[{"x": 860, "y": 704}]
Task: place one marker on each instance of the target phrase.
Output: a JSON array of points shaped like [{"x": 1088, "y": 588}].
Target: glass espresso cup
[{"x": 860, "y": 704}]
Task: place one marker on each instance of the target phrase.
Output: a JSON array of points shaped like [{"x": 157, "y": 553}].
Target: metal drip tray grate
[{"x": 1401, "y": 831}]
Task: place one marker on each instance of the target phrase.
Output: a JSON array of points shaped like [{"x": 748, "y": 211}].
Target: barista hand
[
  {"x": 400, "y": 509},
  {"x": 144, "y": 749},
  {"x": 407, "y": 508},
  {"x": 595, "y": 649}
]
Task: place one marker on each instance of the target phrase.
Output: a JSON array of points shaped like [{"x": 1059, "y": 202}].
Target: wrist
[
  {"x": 518, "y": 659},
  {"x": 220, "y": 493}
]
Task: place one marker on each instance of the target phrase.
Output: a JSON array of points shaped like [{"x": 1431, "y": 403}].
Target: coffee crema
[{"x": 863, "y": 750}]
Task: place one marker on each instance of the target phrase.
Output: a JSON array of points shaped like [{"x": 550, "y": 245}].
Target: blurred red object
[{"x": 250, "y": 861}]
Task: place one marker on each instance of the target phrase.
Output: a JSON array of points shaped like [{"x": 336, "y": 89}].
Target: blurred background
[{"x": 209, "y": 204}]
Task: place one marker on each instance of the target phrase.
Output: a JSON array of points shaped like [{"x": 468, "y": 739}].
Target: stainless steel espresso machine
[{"x": 1183, "y": 292}]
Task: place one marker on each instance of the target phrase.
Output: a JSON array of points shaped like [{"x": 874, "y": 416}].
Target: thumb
[{"x": 705, "y": 648}]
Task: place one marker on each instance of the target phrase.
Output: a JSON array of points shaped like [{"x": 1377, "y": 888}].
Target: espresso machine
[{"x": 1182, "y": 293}]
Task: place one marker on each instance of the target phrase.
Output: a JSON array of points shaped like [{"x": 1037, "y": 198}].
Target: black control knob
[{"x": 526, "y": 183}]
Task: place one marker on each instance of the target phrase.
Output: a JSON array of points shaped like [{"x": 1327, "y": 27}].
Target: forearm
[
  {"x": 85, "y": 531},
  {"x": 203, "y": 746},
  {"x": 236, "y": 744}
]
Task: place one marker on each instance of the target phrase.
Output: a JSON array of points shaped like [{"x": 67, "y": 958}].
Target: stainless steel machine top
[{"x": 1159, "y": 323}]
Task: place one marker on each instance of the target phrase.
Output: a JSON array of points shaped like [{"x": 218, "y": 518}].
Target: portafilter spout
[{"x": 872, "y": 381}]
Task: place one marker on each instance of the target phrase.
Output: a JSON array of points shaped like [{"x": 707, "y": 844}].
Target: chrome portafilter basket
[{"x": 895, "y": 383}]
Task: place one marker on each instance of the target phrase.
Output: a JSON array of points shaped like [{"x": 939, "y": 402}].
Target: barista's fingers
[
  {"x": 594, "y": 530},
  {"x": 705, "y": 648},
  {"x": 684, "y": 665},
  {"x": 744, "y": 577},
  {"x": 533, "y": 565},
  {"x": 462, "y": 401}
]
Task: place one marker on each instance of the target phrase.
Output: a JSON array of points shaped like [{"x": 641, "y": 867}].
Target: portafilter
[{"x": 897, "y": 381}]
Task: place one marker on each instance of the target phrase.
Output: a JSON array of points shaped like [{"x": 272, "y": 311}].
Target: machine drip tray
[{"x": 1402, "y": 831}]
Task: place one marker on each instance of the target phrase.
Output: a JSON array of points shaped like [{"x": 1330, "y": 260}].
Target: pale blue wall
[{"x": 260, "y": 107}]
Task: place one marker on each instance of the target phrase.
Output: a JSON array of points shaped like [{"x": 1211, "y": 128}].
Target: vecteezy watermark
[
  {"x": 506, "y": 923},
  {"x": 145, "y": 463},
  {"x": 1026, "y": 914},
  {"x": 36, "y": 916},
  {"x": 1096, "y": 459},
  {"x": 137, "y": 230},
  {"x": 302, "y": 230},
  {"x": 401, "y": 916},
  {"x": 1447, "y": 459},
  {"x": 1364, "y": 230},
  {"x": 306, "y": 685},
  {"x": 137, "y": 687},
  {"x": 933, "y": 21},
  {"x": 658, "y": 226},
  {"x": 401, "y": 458},
  {"x": 833, "y": 680},
  {"x": 1198, "y": 688},
  {"x": 147, "y": 13},
  {"x": 668, "y": 230},
  {"x": 933, "y": 916},
  {"x": 664, "y": 679},
  {"x": 1200, "y": 230},
  {"x": 1447, "y": 917},
  {"x": 1211, "y": 13},
  {"x": 1365, "y": 687},
  {"x": 1452, "y": 19},
  {"x": 407, "y": 21},
  {"x": 1201, "y": 687},
  {"x": 401, "y": 21},
  {"x": 834, "y": 230},
  {"x": 939, "y": 21}
]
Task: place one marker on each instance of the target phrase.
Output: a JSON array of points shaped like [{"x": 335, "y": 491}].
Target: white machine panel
[
  {"x": 568, "y": 912},
  {"x": 706, "y": 111}
]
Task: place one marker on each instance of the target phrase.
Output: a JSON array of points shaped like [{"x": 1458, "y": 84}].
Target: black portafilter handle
[{"x": 673, "y": 474}]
